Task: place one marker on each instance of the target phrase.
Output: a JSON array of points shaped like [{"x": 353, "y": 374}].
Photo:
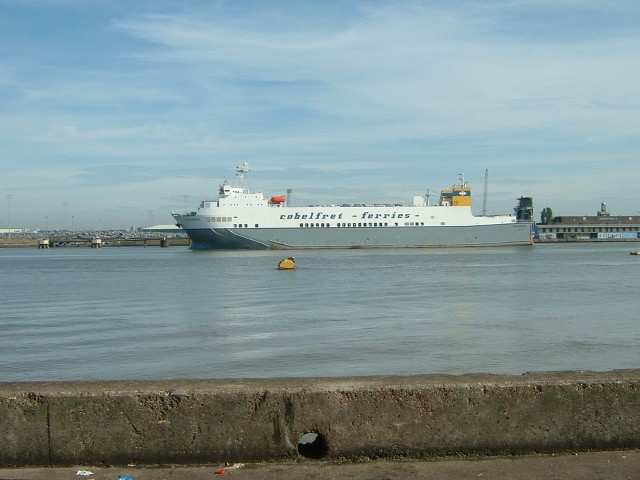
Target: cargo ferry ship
[{"x": 239, "y": 219}]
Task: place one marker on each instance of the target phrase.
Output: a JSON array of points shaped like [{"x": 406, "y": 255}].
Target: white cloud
[{"x": 538, "y": 92}]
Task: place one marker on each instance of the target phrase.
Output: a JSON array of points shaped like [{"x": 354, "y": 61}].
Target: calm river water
[{"x": 164, "y": 313}]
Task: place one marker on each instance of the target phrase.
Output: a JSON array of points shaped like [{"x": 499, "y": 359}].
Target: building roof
[{"x": 162, "y": 227}]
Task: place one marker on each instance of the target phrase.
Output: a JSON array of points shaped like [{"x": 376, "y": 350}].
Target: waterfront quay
[
  {"x": 93, "y": 239},
  {"x": 352, "y": 419}
]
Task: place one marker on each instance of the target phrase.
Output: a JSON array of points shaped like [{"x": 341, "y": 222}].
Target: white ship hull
[{"x": 242, "y": 220}]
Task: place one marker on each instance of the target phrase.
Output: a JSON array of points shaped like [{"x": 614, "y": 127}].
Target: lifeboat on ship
[{"x": 278, "y": 199}]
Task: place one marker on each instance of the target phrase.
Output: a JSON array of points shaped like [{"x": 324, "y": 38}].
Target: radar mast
[{"x": 241, "y": 170}]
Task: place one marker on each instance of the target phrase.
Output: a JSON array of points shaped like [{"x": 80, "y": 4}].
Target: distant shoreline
[
  {"x": 106, "y": 242},
  {"x": 184, "y": 242}
]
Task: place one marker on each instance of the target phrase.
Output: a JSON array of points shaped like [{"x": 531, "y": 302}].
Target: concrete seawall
[{"x": 203, "y": 421}]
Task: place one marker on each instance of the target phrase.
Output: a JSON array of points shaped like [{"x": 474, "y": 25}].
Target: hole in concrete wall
[{"x": 312, "y": 445}]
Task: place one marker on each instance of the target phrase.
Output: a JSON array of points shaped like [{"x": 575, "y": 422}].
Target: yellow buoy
[{"x": 287, "y": 264}]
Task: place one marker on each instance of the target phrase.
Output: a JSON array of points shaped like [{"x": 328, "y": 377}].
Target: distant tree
[{"x": 546, "y": 217}]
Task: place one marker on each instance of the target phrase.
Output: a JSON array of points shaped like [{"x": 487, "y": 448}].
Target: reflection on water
[{"x": 144, "y": 313}]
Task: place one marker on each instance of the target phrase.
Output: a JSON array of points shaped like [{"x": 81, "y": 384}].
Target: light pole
[
  {"x": 8, "y": 197},
  {"x": 185, "y": 202},
  {"x": 65, "y": 215}
]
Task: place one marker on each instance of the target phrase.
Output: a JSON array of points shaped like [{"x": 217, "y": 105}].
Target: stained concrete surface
[
  {"x": 609, "y": 465},
  {"x": 192, "y": 422}
]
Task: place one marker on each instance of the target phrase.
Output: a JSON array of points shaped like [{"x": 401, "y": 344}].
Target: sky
[{"x": 114, "y": 113}]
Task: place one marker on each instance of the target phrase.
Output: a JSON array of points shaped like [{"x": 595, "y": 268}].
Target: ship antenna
[
  {"x": 241, "y": 170},
  {"x": 462, "y": 182}
]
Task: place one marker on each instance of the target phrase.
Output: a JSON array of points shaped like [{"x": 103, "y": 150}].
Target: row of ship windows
[
  {"x": 347, "y": 225},
  {"x": 588, "y": 229},
  {"x": 219, "y": 219}
]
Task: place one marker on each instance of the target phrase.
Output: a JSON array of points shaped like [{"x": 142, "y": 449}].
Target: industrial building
[{"x": 602, "y": 226}]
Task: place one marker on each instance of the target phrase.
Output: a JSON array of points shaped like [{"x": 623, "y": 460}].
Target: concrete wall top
[
  {"x": 202, "y": 421},
  {"x": 317, "y": 383}
]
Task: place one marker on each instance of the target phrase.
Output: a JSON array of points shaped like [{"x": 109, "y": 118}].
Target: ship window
[
  {"x": 441, "y": 223},
  {"x": 302, "y": 224},
  {"x": 256, "y": 225}
]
